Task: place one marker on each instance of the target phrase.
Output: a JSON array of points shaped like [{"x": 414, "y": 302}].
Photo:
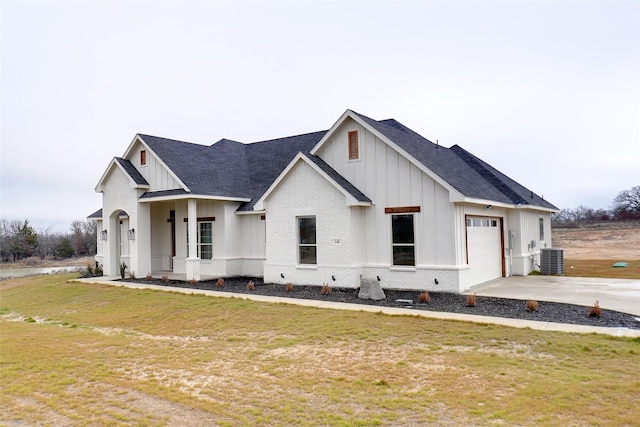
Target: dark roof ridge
[
  {"x": 142, "y": 135},
  {"x": 287, "y": 137}
]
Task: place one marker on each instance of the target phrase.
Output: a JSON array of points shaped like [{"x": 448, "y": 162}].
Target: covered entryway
[{"x": 484, "y": 248}]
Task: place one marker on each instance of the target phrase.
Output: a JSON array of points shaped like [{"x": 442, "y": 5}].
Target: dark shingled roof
[
  {"x": 132, "y": 171},
  {"x": 236, "y": 170},
  {"x": 96, "y": 215},
  {"x": 463, "y": 171},
  {"x": 233, "y": 169}
]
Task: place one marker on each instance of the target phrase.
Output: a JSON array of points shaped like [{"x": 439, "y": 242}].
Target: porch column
[{"x": 192, "y": 263}]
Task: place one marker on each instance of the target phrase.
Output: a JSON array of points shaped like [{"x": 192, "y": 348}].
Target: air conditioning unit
[{"x": 551, "y": 261}]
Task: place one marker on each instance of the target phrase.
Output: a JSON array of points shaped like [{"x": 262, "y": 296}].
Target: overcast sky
[{"x": 546, "y": 92}]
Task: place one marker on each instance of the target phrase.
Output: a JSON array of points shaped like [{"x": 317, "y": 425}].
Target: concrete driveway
[{"x": 613, "y": 294}]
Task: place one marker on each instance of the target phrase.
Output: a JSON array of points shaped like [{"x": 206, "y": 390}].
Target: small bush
[
  {"x": 149, "y": 277},
  {"x": 289, "y": 287},
  {"x": 251, "y": 286},
  {"x": 471, "y": 300},
  {"x": 595, "y": 310},
  {"x": 424, "y": 297},
  {"x": 532, "y": 305},
  {"x": 132, "y": 275},
  {"x": 193, "y": 282},
  {"x": 326, "y": 289},
  {"x": 98, "y": 269},
  {"x": 90, "y": 269},
  {"x": 123, "y": 269},
  {"x": 220, "y": 283},
  {"x": 164, "y": 279}
]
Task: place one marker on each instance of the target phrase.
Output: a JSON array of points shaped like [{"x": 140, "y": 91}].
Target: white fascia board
[
  {"x": 485, "y": 202},
  {"x": 98, "y": 188},
  {"x": 536, "y": 208},
  {"x": 193, "y": 196},
  {"x": 132, "y": 183},
  {"x": 454, "y": 195},
  {"x": 262, "y": 212},
  {"x": 350, "y": 200},
  {"x": 506, "y": 205},
  {"x": 138, "y": 138}
]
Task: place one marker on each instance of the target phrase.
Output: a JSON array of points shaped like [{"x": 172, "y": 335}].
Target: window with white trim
[
  {"x": 541, "y": 223},
  {"x": 403, "y": 244},
  {"x": 307, "y": 249},
  {"x": 204, "y": 246},
  {"x": 143, "y": 157}
]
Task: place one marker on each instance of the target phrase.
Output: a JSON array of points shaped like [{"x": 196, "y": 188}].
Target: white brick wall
[{"x": 304, "y": 192}]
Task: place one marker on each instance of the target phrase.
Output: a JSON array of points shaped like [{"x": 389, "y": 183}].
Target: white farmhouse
[{"x": 366, "y": 199}]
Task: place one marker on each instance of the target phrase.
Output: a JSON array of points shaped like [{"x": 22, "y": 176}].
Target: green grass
[{"x": 104, "y": 355}]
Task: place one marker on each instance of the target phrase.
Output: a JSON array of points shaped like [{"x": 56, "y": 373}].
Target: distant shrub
[
  {"x": 532, "y": 305},
  {"x": 164, "y": 279},
  {"x": 424, "y": 297},
  {"x": 251, "y": 286},
  {"x": 220, "y": 283},
  {"x": 595, "y": 310},
  {"x": 326, "y": 289},
  {"x": 132, "y": 275},
  {"x": 90, "y": 269},
  {"x": 289, "y": 287},
  {"x": 471, "y": 300},
  {"x": 193, "y": 282},
  {"x": 149, "y": 277},
  {"x": 123, "y": 269}
]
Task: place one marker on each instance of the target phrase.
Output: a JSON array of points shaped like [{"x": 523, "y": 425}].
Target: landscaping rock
[{"x": 371, "y": 289}]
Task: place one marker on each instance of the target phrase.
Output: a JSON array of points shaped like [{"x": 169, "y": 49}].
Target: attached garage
[{"x": 484, "y": 248}]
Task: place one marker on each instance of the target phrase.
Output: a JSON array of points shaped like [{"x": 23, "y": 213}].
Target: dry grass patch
[
  {"x": 601, "y": 268},
  {"x": 110, "y": 355}
]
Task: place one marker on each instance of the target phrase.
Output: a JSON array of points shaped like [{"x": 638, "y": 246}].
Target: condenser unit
[{"x": 551, "y": 261}]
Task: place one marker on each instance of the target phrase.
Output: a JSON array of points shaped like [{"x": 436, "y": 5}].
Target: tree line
[
  {"x": 19, "y": 240},
  {"x": 625, "y": 206}
]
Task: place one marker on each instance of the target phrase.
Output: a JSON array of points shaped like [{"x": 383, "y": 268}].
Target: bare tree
[{"x": 626, "y": 205}]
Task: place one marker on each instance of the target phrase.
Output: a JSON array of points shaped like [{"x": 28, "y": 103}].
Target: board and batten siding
[
  {"x": 389, "y": 179},
  {"x": 526, "y": 224},
  {"x": 154, "y": 172}
]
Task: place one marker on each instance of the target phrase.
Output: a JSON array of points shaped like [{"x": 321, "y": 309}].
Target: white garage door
[{"x": 484, "y": 249}]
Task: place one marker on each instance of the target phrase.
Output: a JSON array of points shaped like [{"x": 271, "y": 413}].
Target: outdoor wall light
[
  {"x": 131, "y": 234},
  {"x": 333, "y": 277},
  {"x": 103, "y": 235},
  {"x": 489, "y": 206}
]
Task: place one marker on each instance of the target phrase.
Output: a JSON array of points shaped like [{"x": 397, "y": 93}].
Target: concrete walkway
[
  {"x": 621, "y": 295},
  {"x": 516, "y": 323}
]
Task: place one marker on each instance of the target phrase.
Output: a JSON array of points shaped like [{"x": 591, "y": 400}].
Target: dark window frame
[
  {"x": 403, "y": 241},
  {"x": 307, "y": 240}
]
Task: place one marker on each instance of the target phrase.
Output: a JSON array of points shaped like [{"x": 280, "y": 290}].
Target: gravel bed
[{"x": 439, "y": 301}]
